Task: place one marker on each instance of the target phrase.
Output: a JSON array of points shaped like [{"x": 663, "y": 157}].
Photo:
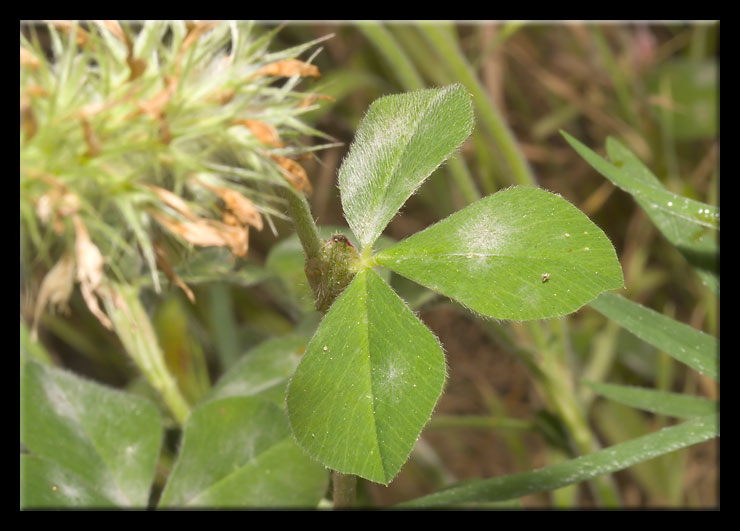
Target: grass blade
[
  {"x": 698, "y": 244},
  {"x": 612, "y": 459},
  {"x": 688, "y": 345},
  {"x": 660, "y": 402},
  {"x": 393, "y": 54},
  {"x": 658, "y": 197}
]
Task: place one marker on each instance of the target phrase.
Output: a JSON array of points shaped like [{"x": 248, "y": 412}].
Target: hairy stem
[
  {"x": 324, "y": 267},
  {"x": 303, "y": 222}
]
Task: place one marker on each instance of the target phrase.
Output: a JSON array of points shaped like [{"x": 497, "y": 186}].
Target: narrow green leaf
[
  {"x": 367, "y": 383},
  {"x": 238, "y": 452},
  {"x": 394, "y": 55},
  {"x": 263, "y": 371},
  {"x": 698, "y": 244},
  {"x": 90, "y": 444},
  {"x": 688, "y": 345},
  {"x": 656, "y": 196},
  {"x": 660, "y": 402},
  {"x": 400, "y": 142},
  {"x": 660, "y": 477},
  {"x": 606, "y": 461},
  {"x": 522, "y": 253}
]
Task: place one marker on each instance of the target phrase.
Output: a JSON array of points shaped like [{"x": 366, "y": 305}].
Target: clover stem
[
  {"x": 317, "y": 256},
  {"x": 305, "y": 226},
  {"x": 344, "y": 489}
]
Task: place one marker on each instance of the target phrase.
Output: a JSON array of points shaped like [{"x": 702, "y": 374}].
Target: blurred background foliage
[{"x": 653, "y": 86}]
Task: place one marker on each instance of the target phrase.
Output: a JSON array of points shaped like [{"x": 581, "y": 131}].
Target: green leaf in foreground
[
  {"x": 660, "y": 402},
  {"x": 522, "y": 253},
  {"x": 90, "y": 445},
  {"x": 688, "y": 345},
  {"x": 367, "y": 384},
  {"x": 238, "y": 452},
  {"x": 698, "y": 244},
  {"x": 606, "y": 461},
  {"x": 657, "y": 196},
  {"x": 400, "y": 142},
  {"x": 45, "y": 484}
]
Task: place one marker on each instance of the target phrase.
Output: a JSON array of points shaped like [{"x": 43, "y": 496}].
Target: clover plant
[
  {"x": 354, "y": 396},
  {"x": 373, "y": 372}
]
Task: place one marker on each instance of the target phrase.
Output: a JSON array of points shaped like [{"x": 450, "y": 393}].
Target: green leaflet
[
  {"x": 400, "y": 142},
  {"x": 45, "y": 484},
  {"x": 688, "y": 345},
  {"x": 238, "y": 452},
  {"x": 522, "y": 253},
  {"x": 654, "y": 194},
  {"x": 90, "y": 445},
  {"x": 367, "y": 383},
  {"x": 660, "y": 402}
]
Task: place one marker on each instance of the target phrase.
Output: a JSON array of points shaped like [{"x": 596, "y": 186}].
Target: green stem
[
  {"x": 602, "y": 354},
  {"x": 558, "y": 387},
  {"x": 344, "y": 490},
  {"x": 617, "y": 75},
  {"x": 345, "y": 486},
  {"x": 303, "y": 222},
  {"x": 133, "y": 327},
  {"x": 173, "y": 397}
]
